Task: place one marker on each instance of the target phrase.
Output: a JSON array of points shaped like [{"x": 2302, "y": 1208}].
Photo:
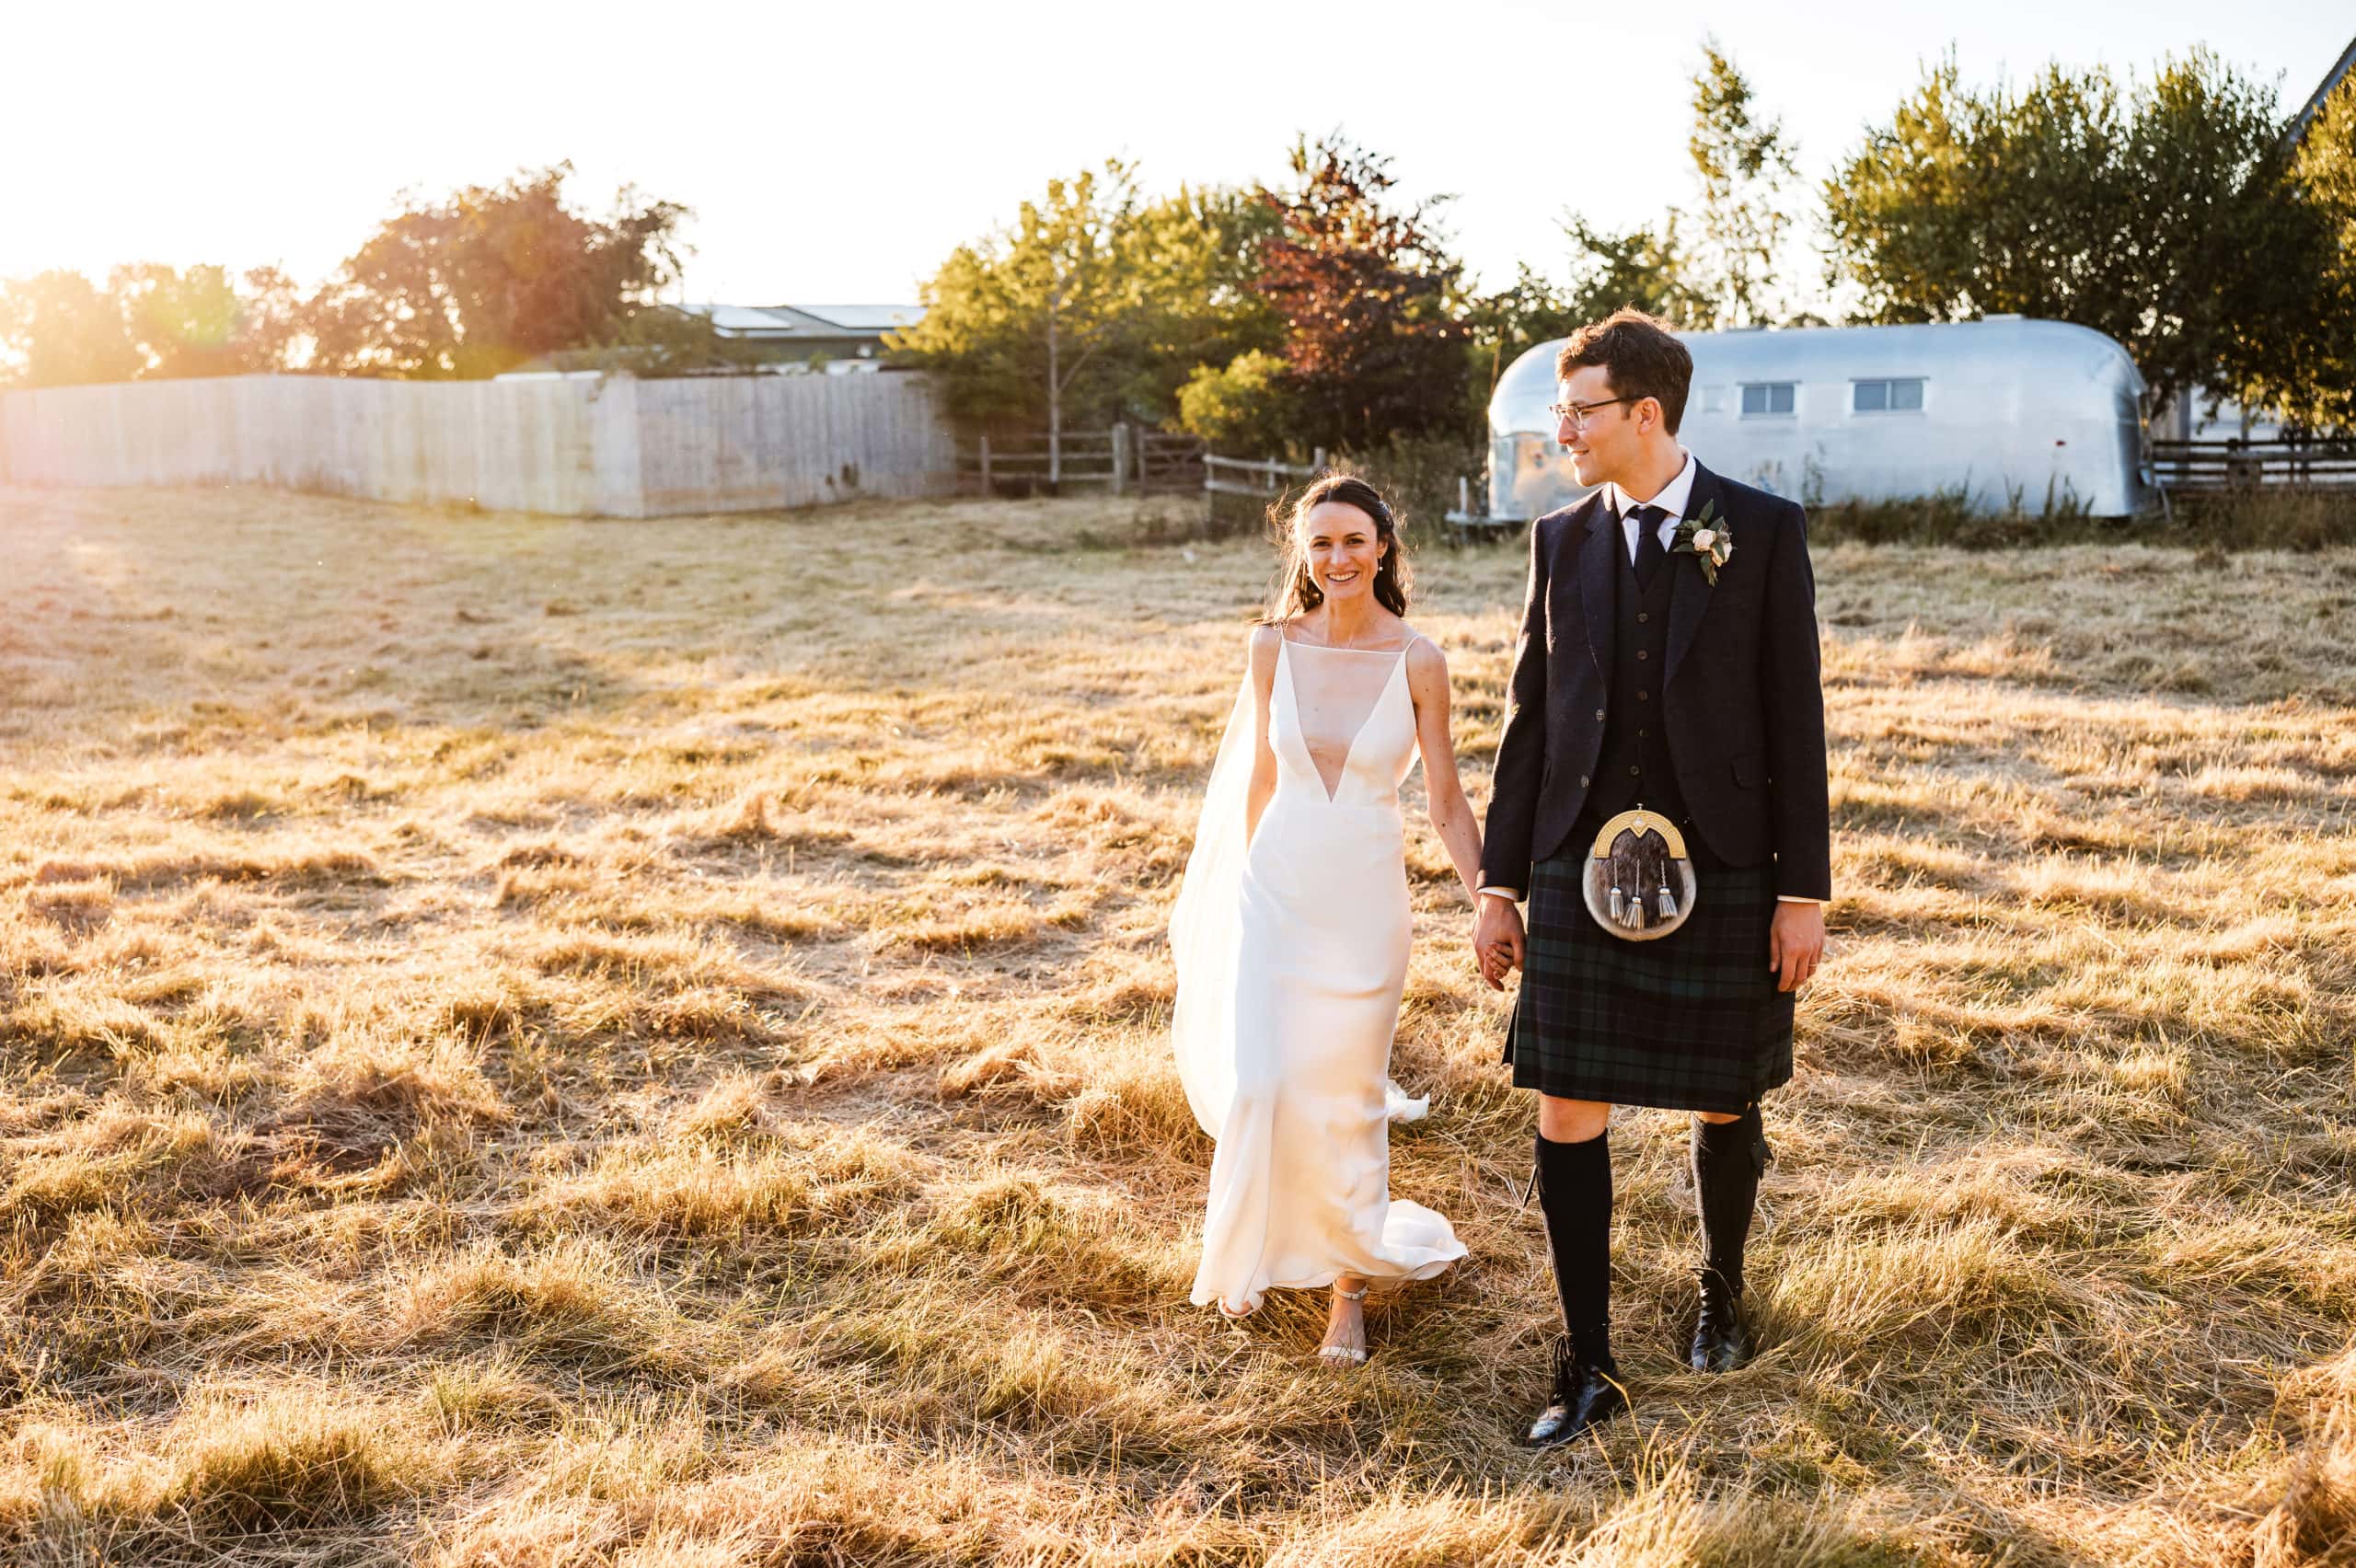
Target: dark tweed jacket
[{"x": 1742, "y": 692}]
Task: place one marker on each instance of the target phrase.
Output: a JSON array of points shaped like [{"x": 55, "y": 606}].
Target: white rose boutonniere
[{"x": 1707, "y": 539}]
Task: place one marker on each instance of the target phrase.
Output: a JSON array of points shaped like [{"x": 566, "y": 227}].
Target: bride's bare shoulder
[
  {"x": 1424, "y": 660},
  {"x": 1260, "y": 647}
]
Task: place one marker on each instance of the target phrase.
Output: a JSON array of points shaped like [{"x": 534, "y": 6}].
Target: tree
[
  {"x": 1016, "y": 320},
  {"x": 1648, "y": 269},
  {"x": 491, "y": 277},
  {"x": 1717, "y": 264},
  {"x": 1745, "y": 167},
  {"x": 1194, "y": 257},
  {"x": 63, "y": 331},
  {"x": 2302, "y": 360},
  {"x": 199, "y": 323},
  {"x": 1241, "y": 404},
  {"x": 2162, "y": 216},
  {"x": 1373, "y": 344}
]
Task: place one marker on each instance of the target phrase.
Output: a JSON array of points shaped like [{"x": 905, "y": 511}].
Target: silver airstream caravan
[{"x": 2010, "y": 411}]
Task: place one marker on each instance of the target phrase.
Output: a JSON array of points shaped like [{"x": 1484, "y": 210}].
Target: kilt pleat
[{"x": 1692, "y": 1021}]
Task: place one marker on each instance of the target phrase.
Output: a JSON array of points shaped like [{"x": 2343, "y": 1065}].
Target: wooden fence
[
  {"x": 579, "y": 447},
  {"x": 2196, "y": 467},
  {"x": 1122, "y": 459}
]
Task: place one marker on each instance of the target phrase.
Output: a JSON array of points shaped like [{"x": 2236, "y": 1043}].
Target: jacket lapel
[
  {"x": 1598, "y": 564},
  {"x": 1688, "y": 591}
]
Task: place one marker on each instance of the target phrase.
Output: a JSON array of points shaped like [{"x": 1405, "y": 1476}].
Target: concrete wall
[{"x": 614, "y": 447}]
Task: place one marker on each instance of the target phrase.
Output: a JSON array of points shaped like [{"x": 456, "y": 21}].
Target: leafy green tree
[
  {"x": 1095, "y": 303},
  {"x": 201, "y": 323},
  {"x": 1016, "y": 320},
  {"x": 1746, "y": 169},
  {"x": 60, "y": 331},
  {"x": 491, "y": 277},
  {"x": 2161, "y": 214},
  {"x": 1194, "y": 255},
  {"x": 2302, "y": 360},
  {"x": 1716, "y": 263},
  {"x": 1374, "y": 345},
  {"x": 1646, "y": 267},
  {"x": 1240, "y": 406}
]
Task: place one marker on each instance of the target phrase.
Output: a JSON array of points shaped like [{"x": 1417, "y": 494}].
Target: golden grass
[{"x": 547, "y": 1043}]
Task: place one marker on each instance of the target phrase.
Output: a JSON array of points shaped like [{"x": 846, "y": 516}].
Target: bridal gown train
[{"x": 1291, "y": 956}]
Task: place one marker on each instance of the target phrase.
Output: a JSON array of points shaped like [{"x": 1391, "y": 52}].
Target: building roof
[
  {"x": 772, "y": 323},
  {"x": 2331, "y": 80}
]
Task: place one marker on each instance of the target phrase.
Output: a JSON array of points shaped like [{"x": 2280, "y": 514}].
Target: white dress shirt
[{"x": 1672, "y": 498}]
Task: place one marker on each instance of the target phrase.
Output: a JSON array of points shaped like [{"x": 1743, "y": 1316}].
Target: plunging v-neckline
[{"x": 1350, "y": 750}]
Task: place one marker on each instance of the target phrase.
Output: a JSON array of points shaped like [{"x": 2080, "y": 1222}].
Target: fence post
[
  {"x": 1120, "y": 455},
  {"x": 986, "y": 466}
]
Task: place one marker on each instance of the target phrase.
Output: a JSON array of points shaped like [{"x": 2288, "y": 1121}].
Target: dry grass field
[{"x": 546, "y": 1042}]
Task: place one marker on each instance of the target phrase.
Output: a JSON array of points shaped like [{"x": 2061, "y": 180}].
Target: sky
[{"x": 835, "y": 152}]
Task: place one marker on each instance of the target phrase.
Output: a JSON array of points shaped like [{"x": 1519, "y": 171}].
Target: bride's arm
[
  {"x": 1451, "y": 813},
  {"x": 1262, "y": 656}
]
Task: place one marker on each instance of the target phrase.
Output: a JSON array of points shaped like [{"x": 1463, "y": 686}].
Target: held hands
[
  {"x": 1496, "y": 939},
  {"x": 1796, "y": 944}
]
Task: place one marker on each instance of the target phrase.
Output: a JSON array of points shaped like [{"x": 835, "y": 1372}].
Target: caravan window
[
  {"x": 1901, "y": 395},
  {"x": 1768, "y": 397}
]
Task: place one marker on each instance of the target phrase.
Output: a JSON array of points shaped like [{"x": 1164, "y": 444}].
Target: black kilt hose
[{"x": 1689, "y": 1021}]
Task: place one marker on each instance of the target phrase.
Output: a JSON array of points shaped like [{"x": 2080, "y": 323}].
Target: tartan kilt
[{"x": 1692, "y": 1021}]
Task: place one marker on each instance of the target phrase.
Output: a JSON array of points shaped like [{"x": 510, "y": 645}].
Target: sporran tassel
[
  {"x": 1667, "y": 906},
  {"x": 1617, "y": 904}
]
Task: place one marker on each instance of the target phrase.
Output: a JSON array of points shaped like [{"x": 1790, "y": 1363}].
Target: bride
[{"x": 1291, "y": 930}]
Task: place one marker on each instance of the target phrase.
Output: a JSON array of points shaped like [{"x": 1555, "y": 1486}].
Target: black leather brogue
[
  {"x": 1720, "y": 1342},
  {"x": 1586, "y": 1395}
]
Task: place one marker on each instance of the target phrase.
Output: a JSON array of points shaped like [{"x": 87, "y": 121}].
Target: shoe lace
[{"x": 1719, "y": 1300}]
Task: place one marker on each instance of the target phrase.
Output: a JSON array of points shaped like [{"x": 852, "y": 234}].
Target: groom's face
[{"x": 1606, "y": 446}]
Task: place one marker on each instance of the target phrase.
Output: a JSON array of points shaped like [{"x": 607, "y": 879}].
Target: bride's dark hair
[{"x": 1295, "y": 590}]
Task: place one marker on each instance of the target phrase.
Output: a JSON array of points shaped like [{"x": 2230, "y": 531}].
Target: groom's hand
[
  {"x": 1496, "y": 939},
  {"x": 1796, "y": 943}
]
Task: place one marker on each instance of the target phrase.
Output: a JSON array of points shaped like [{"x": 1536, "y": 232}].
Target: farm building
[
  {"x": 2010, "y": 411},
  {"x": 846, "y": 336}
]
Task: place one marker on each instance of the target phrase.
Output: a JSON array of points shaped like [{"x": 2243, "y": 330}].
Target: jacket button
[
  {"x": 1582, "y": 780},
  {"x": 1642, "y": 616},
  {"x": 1644, "y": 653},
  {"x": 1599, "y": 715},
  {"x": 1635, "y": 773},
  {"x": 1644, "y": 696}
]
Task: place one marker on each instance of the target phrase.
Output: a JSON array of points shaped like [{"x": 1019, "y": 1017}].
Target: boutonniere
[{"x": 1707, "y": 539}]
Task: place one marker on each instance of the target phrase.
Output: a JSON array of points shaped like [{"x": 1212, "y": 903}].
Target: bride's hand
[{"x": 1498, "y": 940}]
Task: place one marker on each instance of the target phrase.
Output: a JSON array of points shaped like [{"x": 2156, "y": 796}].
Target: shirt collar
[{"x": 1672, "y": 497}]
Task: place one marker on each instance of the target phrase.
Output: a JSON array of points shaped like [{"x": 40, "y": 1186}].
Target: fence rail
[
  {"x": 2183, "y": 468},
  {"x": 1122, "y": 457}
]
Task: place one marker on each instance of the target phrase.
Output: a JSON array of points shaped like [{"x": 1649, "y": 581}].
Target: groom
[{"x": 1639, "y": 681}]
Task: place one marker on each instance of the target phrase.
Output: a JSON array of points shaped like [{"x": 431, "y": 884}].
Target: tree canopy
[
  {"x": 1374, "y": 336},
  {"x": 493, "y": 276},
  {"x": 2163, "y": 213}
]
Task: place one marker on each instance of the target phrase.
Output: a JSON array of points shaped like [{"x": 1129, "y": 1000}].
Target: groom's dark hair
[{"x": 1640, "y": 356}]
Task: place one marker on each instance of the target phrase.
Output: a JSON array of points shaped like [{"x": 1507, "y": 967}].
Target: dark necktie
[{"x": 1649, "y": 551}]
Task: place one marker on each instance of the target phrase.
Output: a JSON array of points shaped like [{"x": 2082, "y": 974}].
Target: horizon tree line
[{"x": 2185, "y": 216}]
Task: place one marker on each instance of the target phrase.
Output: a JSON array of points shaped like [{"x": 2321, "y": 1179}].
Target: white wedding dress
[{"x": 1291, "y": 954}]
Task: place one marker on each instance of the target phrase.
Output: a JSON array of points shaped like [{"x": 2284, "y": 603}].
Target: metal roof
[
  {"x": 2332, "y": 78},
  {"x": 866, "y": 317},
  {"x": 768, "y": 323}
]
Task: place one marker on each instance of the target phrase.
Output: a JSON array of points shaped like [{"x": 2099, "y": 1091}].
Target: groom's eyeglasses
[{"x": 1576, "y": 414}]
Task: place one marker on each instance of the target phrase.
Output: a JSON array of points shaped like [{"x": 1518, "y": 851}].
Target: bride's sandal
[{"x": 1346, "y": 1355}]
